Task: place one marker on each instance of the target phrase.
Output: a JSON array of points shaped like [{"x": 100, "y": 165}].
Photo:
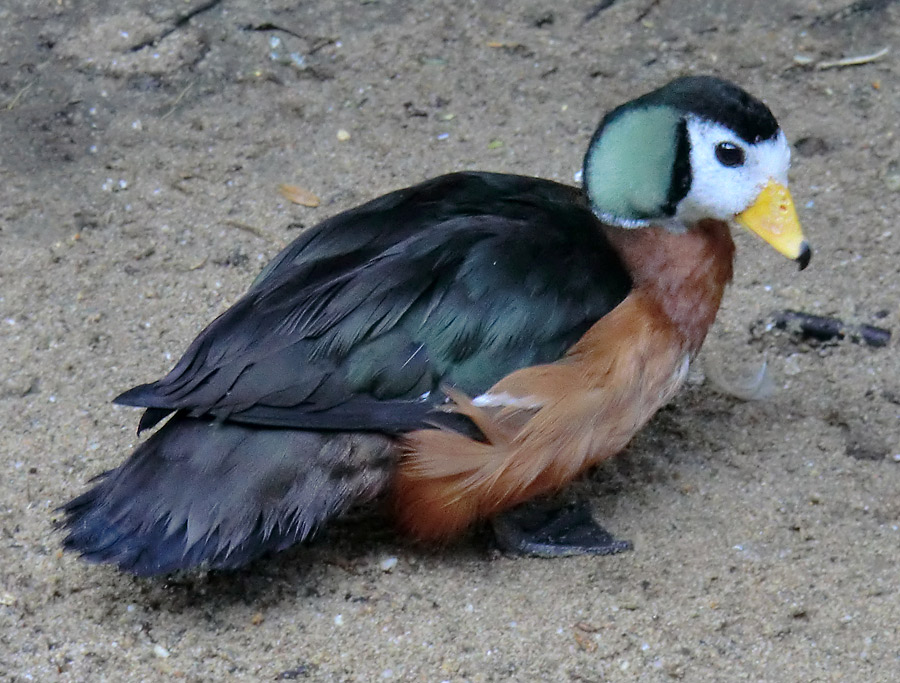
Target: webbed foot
[{"x": 544, "y": 530}]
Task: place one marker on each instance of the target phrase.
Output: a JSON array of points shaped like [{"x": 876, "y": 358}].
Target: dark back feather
[{"x": 360, "y": 322}]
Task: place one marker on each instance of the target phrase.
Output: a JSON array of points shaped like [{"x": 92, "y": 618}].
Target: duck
[{"x": 460, "y": 350}]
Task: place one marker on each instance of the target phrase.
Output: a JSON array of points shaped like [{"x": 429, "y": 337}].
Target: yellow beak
[{"x": 773, "y": 217}]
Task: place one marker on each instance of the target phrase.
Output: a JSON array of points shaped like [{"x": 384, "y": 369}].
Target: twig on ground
[
  {"x": 18, "y": 97},
  {"x": 177, "y": 100},
  {"x": 253, "y": 230},
  {"x": 854, "y": 61},
  {"x": 824, "y": 328}
]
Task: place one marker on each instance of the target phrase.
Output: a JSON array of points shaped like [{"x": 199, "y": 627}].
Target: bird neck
[{"x": 683, "y": 274}]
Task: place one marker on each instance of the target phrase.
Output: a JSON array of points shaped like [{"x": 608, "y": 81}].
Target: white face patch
[{"x": 722, "y": 192}]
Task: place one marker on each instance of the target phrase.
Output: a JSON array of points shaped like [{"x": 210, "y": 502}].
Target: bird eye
[{"x": 729, "y": 154}]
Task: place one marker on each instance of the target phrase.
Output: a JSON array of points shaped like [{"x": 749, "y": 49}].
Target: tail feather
[{"x": 218, "y": 495}]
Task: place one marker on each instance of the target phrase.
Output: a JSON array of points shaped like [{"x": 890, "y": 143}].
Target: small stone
[
  {"x": 791, "y": 366},
  {"x": 542, "y": 18},
  {"x": 798, "y": 611},
  {"x": 160, "y": 651},
  {"x": 299, "y": 195},
  {"x": 388, "y": 564},
  {"x": 343, "y": 135},
  {"x": 18, "y": 386}
]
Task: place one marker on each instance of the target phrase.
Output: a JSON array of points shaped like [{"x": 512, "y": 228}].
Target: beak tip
[{"x": 805, "y": 255}]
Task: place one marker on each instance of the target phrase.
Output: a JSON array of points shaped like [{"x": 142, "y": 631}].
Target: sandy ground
[{"x": 142, "y": 145}]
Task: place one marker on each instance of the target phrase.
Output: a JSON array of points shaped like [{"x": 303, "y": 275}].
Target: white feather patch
[{"x": 504, "y": 400}]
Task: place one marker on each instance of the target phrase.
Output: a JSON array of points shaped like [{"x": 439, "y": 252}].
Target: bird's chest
[{"x": 625, "y": 385}]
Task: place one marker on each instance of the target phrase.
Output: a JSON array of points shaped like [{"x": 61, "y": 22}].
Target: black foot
[{"x": 546, "y": 531}]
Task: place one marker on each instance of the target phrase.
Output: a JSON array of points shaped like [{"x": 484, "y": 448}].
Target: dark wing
[{"x": 358, "y": 324}]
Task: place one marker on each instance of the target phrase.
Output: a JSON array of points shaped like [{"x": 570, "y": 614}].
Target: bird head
[{"x": 697, "y": 148}]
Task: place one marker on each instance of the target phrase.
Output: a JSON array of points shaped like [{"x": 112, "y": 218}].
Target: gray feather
[{"x": 200, "y": 492}]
